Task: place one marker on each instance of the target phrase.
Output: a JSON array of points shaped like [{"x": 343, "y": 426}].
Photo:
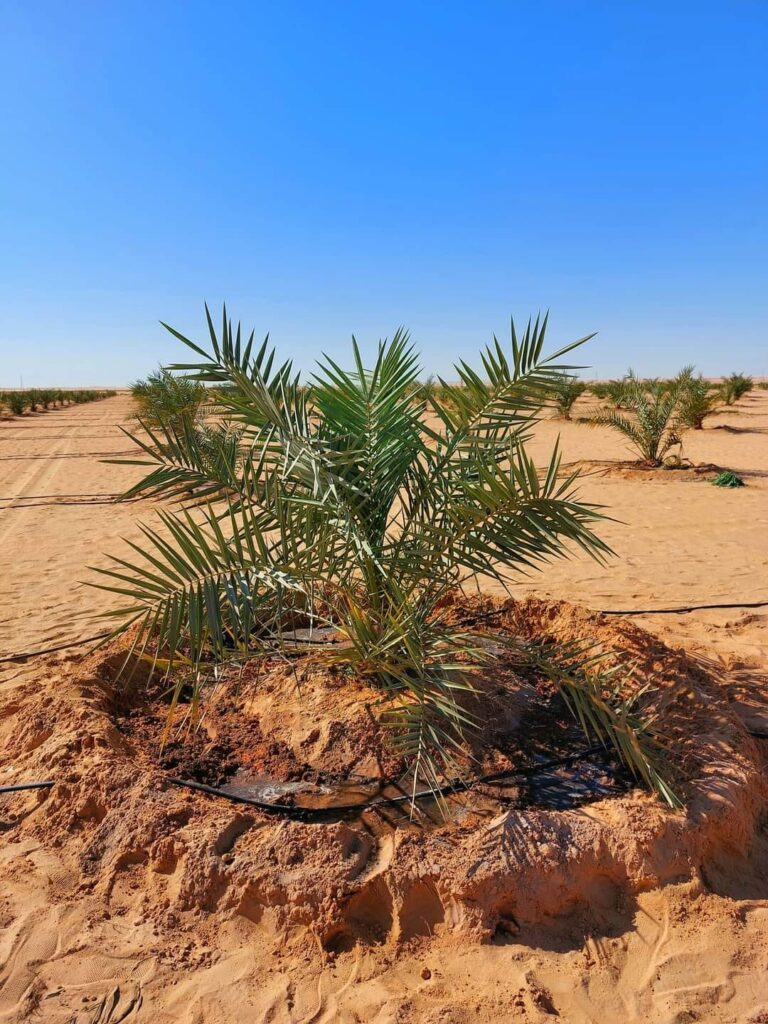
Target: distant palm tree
[
  {"x": 167, "y": 398},
  {"x": 652, "y": 419},
  {"x": 735, "y": 386},
  {"x": 565, "y": 391},
  {"x": 697, "y": 399}
]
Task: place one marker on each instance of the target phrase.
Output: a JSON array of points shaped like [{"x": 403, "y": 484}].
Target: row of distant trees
[
  {"x": 653, "y": 412},
  {"x": 650, "y": 412},
  {"x": 36, "y": 399}
]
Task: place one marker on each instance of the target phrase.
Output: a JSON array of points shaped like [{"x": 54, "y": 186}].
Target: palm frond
[{"x": 595, "y": 697}]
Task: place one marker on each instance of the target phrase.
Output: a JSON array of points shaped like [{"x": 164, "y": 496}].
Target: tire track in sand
[
  {"x": 45, "y": 549},
  {"x": 35, "y": 478}
]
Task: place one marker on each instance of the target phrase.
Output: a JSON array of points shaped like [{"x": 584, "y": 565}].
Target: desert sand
[{"x": 621, "y": 912}]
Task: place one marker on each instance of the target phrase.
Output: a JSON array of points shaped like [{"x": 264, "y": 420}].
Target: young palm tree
[
  {"x": 166, "y": 398},
  {"x": 565, "y": 392},
  {"x": 339, "y": 503},
  {"x": 653, "y": 419},
  {"x": 619, "y": 391},
  {"x": 17, "y": 402},
  {"x": 735, "y": 386},
  {"x": 697, "y": 399},
  {"x": 423, "y": 390}
]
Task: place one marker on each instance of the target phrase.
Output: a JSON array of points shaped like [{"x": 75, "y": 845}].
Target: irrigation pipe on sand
[
  {"x": 50, "y": 650},
  {"x": 681, "y": 610},
  {"x": 26, "y": 785},
  {"x": 456, "y": 786}
]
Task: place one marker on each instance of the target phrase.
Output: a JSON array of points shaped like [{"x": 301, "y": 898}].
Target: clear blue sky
[{"x": 329, "y": 168}]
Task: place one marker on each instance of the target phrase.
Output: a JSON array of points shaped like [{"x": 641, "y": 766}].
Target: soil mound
[
  {"x": 139, "y": 846},
  {"x": 681, "y": 470}
]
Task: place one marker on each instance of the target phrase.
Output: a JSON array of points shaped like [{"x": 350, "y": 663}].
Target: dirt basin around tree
[{"x": 501, "y": 863}]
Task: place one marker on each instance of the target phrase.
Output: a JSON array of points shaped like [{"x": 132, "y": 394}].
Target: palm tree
[
  {"x": 697, "y": 399},
  {"x": 17, "y": 402},
  {"x": 165, "y": 398},
  {"x": 340, "y": 504},
  {"x": 735, "y": 386},
  {"x": 653, "y": 419},
  {"x": 619, "y": 391},
  {"x": 565, "y": 392}
]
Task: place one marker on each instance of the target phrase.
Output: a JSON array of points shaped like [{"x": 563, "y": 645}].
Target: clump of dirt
[
  {"x": 287, "y": 722},
  {"x": 195, "y": 759},
  {"x": 141, "y": 846}
]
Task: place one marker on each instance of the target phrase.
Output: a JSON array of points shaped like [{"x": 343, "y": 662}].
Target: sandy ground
[
  {"x": 689, "y": 951},
  {"x": 57, "y": 516}
]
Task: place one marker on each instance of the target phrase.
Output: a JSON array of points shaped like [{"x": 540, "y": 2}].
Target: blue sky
[{"x": 330, "y": 168}]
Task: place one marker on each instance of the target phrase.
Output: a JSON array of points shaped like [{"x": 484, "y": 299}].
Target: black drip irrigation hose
[
  {"x": 683, "y": 609},
  {"x": 475, "y": 618},
  {"x": 40, "y": 652},
  {"x": 680, "y": 610},
  {"x": 310, "y": 814},
  {"x": 57, "y": 437},
  {"x": 50, "y": 650},
  {"x": 62, "y": 504},
  {"x": 67, "y": 455},
  {"x": 26, "y": 785}
]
